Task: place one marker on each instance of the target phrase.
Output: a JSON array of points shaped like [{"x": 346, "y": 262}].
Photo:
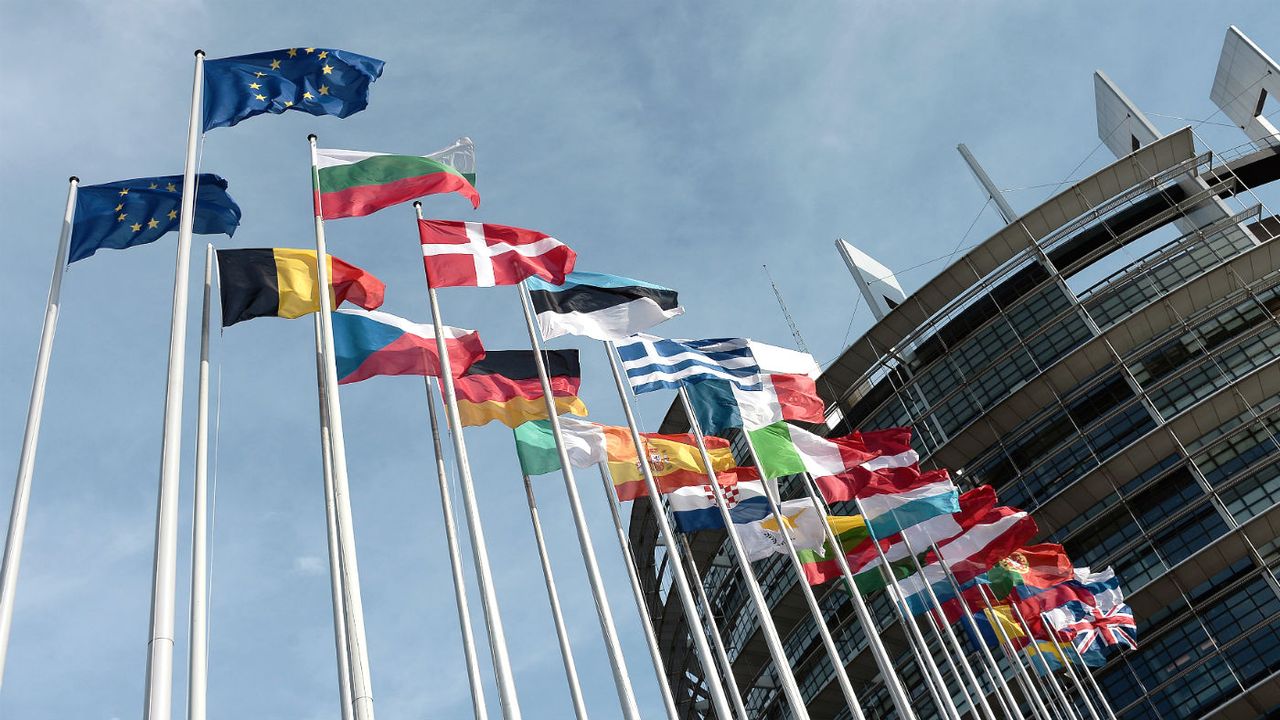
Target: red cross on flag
[{"x": 472, "y": 254}]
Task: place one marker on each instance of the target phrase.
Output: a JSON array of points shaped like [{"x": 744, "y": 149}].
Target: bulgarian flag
[
  {"x": 860, "y": 552},
  {"x": 352, "y": 183}
]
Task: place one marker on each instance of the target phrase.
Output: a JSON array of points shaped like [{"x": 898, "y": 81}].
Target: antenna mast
[{"x": 795, "y": 331}]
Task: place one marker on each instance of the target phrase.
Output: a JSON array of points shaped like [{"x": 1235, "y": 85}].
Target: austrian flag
[{"x": 472, "y": 254}]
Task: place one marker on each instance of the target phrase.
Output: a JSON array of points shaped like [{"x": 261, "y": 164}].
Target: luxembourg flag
[
  {"x": 368, "y": 343},
  {"x": 915, "y": 498},
  {"x": 694, "y": 508}
]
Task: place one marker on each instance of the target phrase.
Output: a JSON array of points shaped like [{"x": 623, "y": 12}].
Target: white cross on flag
[{"x": 472, "y": 254}]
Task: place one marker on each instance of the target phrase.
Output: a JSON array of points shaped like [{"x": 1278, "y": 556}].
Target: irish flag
[{"x": 352, "y": 183}]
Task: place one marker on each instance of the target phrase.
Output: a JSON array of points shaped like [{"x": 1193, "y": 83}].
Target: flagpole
[
  {"x": 474, "y": 679},
  {"x": 1084, "y": 669},
  {"x": 713, "y": 628},
  {"x": 361, "y": 687},
  {"x": 621, "y": 679},
  {"x": 31, "y": 435},
  {"x": 651, "y": 638},
  {"x": 719, "y": 701},
  {"x": 553, "y": 598},
  {"x": 779, "y": 654},
  {"x": 1052, "y": 632},
  {"x": 929, "y": 669},
  {"x": 158, "y": 704},
  {"x": 892, "y": 683},
  {"x": 503, "y": 674},
  {"x": 1031, "y": 686},
  {"x": 198, "y": 634},
  {"x": 993, "y": 668},
  {"x": 955, "y": 671},
  {"x": 815, "y": 611},
  {"x": 336, "y": 592},
  {"x": 950, "y": 634},
  {"x": 1067, "y": 708}
]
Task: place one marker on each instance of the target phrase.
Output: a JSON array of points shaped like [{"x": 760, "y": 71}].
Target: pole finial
[
  {"x": 199, "y": 52},
  {"x": 311, "y": 137},
  {"x": 73, "y": 179},
  {"x": 417, "y": 203}
]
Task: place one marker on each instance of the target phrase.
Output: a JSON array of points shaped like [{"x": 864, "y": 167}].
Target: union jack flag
[{"x": 1111, "y": 627}]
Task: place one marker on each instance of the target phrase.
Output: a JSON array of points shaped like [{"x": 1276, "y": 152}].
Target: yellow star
[
  {"x": 307, "y": 96},
  {"x": 310, "y": 50},
  {"x": 124, "y": 191},
  {"x": 153, "y": 223},
  {"x": 323, "y": 54},
  {"x": 324, "y": 89},
  {"x": 121, "y": 218},
  {"x": 136, "y": 227},
  {"x": 171, "y": 187},
  {"x": 275, "y": 64},
  {"x": 288, "y": 103},
  {"x": 254, "y": 86},
  {"x": 152, "y": 186},
  {"x": 293, "y": 52},
  {"x": 327, "y": 68},
  {"x": 261, "y": 97},
  {"x": 260, "y": 74},
  {"x": 173, "y": 215},
  {"x": 119, "y": 207}
]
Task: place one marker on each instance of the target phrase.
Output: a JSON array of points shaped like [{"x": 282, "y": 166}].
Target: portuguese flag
[{"x": 351, "y": 183}]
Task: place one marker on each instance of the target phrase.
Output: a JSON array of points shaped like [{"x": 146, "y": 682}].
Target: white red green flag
[{"x": 353, "y": 183}]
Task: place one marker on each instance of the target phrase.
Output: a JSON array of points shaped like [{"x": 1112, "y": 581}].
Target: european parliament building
[{"x": 1109, "y": 361}]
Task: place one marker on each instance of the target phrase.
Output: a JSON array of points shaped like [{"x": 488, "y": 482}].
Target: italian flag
[
  {"x": 351, "y": 183},
  {"x": 785, "y": 449}
]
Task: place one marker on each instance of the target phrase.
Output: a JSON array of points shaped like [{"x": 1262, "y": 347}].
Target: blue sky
[{"x": 686, "y": 145}]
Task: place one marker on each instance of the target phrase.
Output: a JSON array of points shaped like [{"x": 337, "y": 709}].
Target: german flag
[
  {"x": 281, "y": 282},
  {"x": 504, "y": 386}
]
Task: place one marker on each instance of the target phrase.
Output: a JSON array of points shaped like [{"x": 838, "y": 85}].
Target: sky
[{"x": 687, "y": 144}]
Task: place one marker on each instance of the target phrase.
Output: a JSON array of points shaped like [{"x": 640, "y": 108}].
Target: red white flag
[{"x": 472, "y": 254}]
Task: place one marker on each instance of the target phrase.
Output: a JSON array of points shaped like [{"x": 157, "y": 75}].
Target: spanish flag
[
  {"x": 281, "y": 282},
  {"x": 674, "y": 461},
  {"x": 504, "y": 386}
]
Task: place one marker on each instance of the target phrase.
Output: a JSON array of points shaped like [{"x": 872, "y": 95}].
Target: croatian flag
[
  {"x": 694, "y": 508},
  {"x": 368, "y": 343},
  {"x": 654, "y": 363}
]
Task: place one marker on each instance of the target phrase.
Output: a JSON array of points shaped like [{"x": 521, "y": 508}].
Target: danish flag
[
  {"x": 472, "y": 254},
  {"x": 1111, "y": 627}
]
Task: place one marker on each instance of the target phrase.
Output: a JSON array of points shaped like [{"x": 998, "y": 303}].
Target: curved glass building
[{"x": 1109, "y": 361}]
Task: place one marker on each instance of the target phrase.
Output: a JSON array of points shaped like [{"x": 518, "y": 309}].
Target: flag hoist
[
  {"x": 31, "y": 434},
  {"x": 361, "y": 689},
  {"x": 479, "y": 549}
]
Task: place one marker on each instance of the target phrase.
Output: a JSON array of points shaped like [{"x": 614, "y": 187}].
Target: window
[{"x": 1189, "y": 534}]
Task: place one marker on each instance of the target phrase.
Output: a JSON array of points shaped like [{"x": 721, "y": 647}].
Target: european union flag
[
  {"x": 314, "y": 80},
  {"x": 125, "y": 213}
]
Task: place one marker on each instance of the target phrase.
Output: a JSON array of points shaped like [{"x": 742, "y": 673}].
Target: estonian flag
[
  {"x": 504, "y": 386},
  {"x": 281, "y": 282},
  {"x": 600, "y": 306}
]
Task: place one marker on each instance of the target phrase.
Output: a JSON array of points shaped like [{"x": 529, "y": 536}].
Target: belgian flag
[
  {"x": 281, "y": 282},
  {"x": 504, "y": 386}
]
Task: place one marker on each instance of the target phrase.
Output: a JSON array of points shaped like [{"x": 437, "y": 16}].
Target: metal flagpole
[
  {"x": 455, "y": 565},
  {"x": 650, "y": 637},
  {"x": 1053, "y": 636},
  {"x": 1052, "y": 680},
  {"x": 198, "y": 658},
  {"x": 621, "y": 679},
  {"x": 970, "y": 676},
  {"x": 503, "y": 674},
  {"x": 779, "y": 654},
  {"x": 336, "y": 591},
  {"x": 31, "y": 435},
  {"x": 361, "y": 687},
  {"x": 833, "y": 653},
  {"x": 158, "y": 704},
  {"x": 719, "y": 701},
  {"x": 955, "y": 671},
  {"x": 1030, "y": 684},
  {"x": 713, "y": 628},
  {"x": 892, "y": 683},
  {"x": 993, "y": 668},
  {"x": 553, "y": 598},
  {"x": 929, "y": 668},
  {"x": 1093, "y": 683}
]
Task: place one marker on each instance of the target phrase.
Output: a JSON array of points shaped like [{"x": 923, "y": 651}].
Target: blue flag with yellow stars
[
  {"x": 125, "y": 213},
  {"x": 314, "y": 80}
]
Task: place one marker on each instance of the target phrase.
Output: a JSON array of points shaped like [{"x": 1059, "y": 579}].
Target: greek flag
[{"x": 653, "y": 363}]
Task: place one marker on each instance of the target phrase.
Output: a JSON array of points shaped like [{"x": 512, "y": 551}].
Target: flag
[
  {"x": 586, "y": 443},
  {"x": 860, "y": 551},
  {"x": 889, "y": 450},
  {"x": 281, "y": 282},
  {"x": 803, "y": 522},
  {"x": 472, "y": 254},
  {"x": 604, "y": 307},
  {"x": 694, "y": 507},
  {"x": 1035, "y": 566},
  {"x": 988, "y": 624},
  {"x": 920, "y": 497},
  {"x": 675, "y": 463},
  {"x": 653, "y": 363},
  {"x": 784, "y": 449},
  {"x": 124, "y": 213},
  {"x": 368, "y": 343},
  {"x": 786, "y": 391},
  {"x": 1096, "y": 628},
  {"x": 353, "y": 183},
  {"x": 504, "y": 386},
  {"x": 318, "y": 81},
  {"x": 1087, "y": 589},
  {"x": 971, "y": 553},
  {"x": 1043, "y": 652}
]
